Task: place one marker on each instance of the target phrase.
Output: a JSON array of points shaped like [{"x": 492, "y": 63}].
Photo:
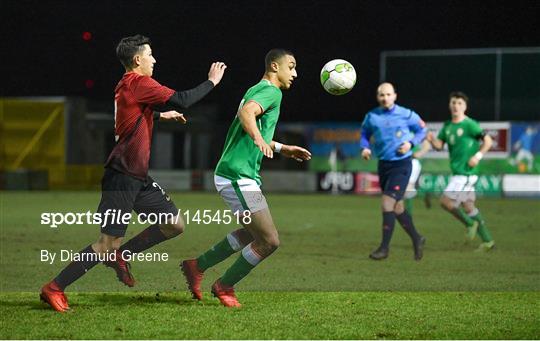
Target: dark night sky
[{"x": 45, "y": 54}]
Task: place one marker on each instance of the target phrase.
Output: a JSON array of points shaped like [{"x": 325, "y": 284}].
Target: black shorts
[
  {"x": 394, "y": 177},
  {"x": 124, "y": 194}
]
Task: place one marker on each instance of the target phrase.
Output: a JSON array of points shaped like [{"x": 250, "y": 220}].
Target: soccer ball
[{"x": 338, "y": 77}]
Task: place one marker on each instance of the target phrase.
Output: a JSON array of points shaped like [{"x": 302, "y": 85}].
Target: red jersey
[{"x": 135, "y": 95}]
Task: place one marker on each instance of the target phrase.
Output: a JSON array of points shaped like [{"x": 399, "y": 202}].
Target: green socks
[
  {"x": 462, "y": 216},
  {"x": 483, "y": 231},
  {"x": 237, "y": 271},
  {"x": 243, "y": 265},
  {"x": 216, "y": 254}
]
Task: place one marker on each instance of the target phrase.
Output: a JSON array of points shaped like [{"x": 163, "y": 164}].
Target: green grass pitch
[{"x": 320, "y": 284}]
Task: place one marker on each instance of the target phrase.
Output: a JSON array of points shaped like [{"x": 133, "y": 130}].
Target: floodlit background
[{"x": 60, "y": 70}]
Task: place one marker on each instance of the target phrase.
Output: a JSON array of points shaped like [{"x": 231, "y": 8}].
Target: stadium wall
[
  {"x": 57, "y": 143},
  {"x": 359, "y": 183}
]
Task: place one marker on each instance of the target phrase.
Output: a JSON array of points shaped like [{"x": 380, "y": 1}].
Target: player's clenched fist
[
  {"x": 216, "y": 72},
  {"x": 473, "y": 161},
  {"x": 405, "y": 147},
  {"x": 366, "y": 154}
]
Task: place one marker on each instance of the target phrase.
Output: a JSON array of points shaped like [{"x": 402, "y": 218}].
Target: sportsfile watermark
[
  {"x": 327, "y": 249},
  {"x": 118, "y": 217}
]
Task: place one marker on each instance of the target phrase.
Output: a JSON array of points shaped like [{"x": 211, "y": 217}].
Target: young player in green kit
[
  {"x": 463, "y": 136},
  {"x": 238, "y": 181}
]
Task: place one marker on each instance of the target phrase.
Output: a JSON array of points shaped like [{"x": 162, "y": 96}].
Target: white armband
[
  {"x": 479, "y": 155},
  {"x": 277, "y": 147}
]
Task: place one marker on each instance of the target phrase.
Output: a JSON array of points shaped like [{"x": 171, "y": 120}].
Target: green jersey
[
  {"x": 241, "y": 158},
  {"x": 463, "y": 142}
]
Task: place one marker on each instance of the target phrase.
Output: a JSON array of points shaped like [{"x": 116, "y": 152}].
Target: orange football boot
[
  {"x": 225, "y": 294},
  {"x": 54, "y": 296},
  {"x": 193, "y": 277},
  {"x": 122, "y": 269}
]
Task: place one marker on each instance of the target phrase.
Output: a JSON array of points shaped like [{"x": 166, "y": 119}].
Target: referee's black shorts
[
  {"x": 125, "y": 194},
  {"x": 394, "y": 177}
]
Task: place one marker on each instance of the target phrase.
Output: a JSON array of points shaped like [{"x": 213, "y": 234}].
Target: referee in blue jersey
[{"x": 392, "y": 131}]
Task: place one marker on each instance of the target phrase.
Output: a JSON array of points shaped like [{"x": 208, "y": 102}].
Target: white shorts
[
  {"x": 241, "y": 195},
  {"x": 461, "y": 188},
  {"x": 415, "y": 173}
]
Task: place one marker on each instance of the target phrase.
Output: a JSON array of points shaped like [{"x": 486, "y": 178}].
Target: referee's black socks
[
  {"x": 389, "y": 220},
  {"x": 406, "y": 222}
]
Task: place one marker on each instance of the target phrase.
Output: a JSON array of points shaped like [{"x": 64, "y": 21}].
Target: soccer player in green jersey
[
  {"x": 238, "y": 181},
  {"x": 463, "y": 136}
]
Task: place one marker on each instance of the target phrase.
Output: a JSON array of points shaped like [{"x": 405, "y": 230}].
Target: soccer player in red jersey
[{"x": 126, "y": 185}]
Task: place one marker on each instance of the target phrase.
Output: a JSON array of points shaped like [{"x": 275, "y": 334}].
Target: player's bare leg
[
  {"x": 193, "y": 269},
  {"x": 107, "y": 243},
  {"x": 453, "y": 207},
  {"x": 450, "y": 205},
  {"x": 265, "y": 242}
]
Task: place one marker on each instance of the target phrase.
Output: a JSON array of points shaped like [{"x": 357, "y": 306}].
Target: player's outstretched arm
[
  {"x": 215, "y": 74},
  {"x": 184, "y": 99},
  {"x": 247, "y": 116},
  {"x": 294, "y": 152}
]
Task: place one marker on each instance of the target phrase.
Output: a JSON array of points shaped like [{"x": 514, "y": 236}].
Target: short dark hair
[
  {"x": 459, "y": 94},
  {"x": 273, "y": 55},
  {"x": 128, "y": 47}
]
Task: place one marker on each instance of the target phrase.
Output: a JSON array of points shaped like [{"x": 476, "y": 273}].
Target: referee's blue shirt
[{"x": 388, "y": 129}]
